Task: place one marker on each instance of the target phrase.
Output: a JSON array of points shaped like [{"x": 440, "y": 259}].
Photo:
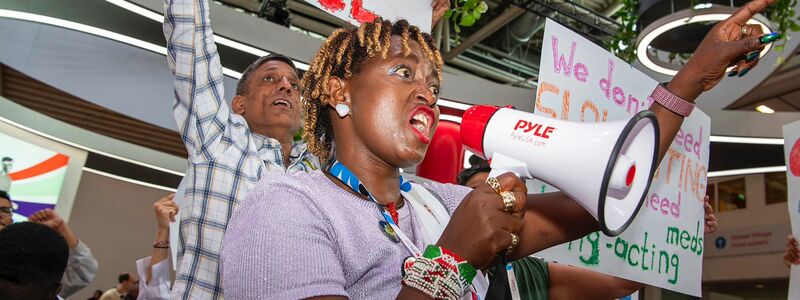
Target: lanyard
[
  {"x": 415, "y": 200},
  {"x": 338, "y": 170}
]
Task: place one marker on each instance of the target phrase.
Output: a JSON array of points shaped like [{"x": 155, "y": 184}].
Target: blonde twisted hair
[{"x": 341, "y": 56}]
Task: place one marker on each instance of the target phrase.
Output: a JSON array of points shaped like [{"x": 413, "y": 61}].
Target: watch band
[
  {"x": 161, "y": 244},
  {"x": 670, "y": 101}
]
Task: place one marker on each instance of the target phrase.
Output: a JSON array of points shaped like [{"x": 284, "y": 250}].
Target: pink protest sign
[
  {"x": 791, "y": 142},
  {"x": 582, "y": 82},
  {"x": 416, "y": 12}
]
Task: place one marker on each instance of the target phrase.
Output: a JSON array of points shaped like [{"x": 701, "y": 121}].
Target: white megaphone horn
[{"x": 606, "y": 167}]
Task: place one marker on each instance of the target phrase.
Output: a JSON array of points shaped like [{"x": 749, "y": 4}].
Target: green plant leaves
[
  {"x": 483, "y": 7},
  {"x": 465, "y": 13},
  {"x": 448, "y": 14},
  {"x": 622, "y": 44},
  {"x": 467, "y": 20}
]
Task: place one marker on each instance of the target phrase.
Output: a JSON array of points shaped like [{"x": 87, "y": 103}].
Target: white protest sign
[
  {"x": 791, "y": 150},
  {"x": 580, "y": 81},
  {"x": 416, "y": 12}
]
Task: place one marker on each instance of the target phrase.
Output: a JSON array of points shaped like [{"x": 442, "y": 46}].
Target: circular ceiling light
[{"x": 699, "y": 19}]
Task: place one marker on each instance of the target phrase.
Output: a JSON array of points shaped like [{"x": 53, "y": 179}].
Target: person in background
[
  {"x": 230, "y": 148},
  {"x": 792, "y": 254},
  {"x": 540, "y": 280},
  {"x": 133, "y": 293},
  {"x": 96, "y": 296},
  {"x": 82, "y": 266},
  {"x": 6, "y": 210},
  {"x": 126, "y": 282},
  {"x": 155, "y": 269},
  {"x": 33, "y": 259}
]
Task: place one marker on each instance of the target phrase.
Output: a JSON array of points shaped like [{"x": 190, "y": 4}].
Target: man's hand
[
  {"x": 440, "y": 7},
  {"x": 165, "y": 210},
  {"x": 51, "y": 219},
  {"x": 710, "y": 218}
]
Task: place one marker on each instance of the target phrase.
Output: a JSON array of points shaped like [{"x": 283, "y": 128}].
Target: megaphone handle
[
  {"x": 504, "y": 281},
  {"x": 512, "y": 279},
  {"x": 497, "y": 172}
]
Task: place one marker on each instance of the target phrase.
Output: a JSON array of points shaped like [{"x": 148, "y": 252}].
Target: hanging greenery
[
  {"x": 782, "y": 15},
  {"x": 465, "y": 13},
  {"x": 623, "y": 43}
]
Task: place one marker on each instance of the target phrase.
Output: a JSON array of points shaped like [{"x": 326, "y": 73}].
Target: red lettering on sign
[
  {"x": 361, "y": 14},
  {"x": 332, "y": 5}
]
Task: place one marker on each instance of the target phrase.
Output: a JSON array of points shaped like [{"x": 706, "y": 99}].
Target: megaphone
[{"x": 605, "y": 167}]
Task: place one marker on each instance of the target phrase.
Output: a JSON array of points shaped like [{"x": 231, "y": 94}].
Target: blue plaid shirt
[{"x": 226, "y": 158}]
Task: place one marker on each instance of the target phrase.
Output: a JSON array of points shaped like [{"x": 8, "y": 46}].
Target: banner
[
  {"x": 791, "y": 150},
  {"x": 582, "y": 82},
  {"x": 38, "y": 173},
  {"x": 416, "y": 12}
]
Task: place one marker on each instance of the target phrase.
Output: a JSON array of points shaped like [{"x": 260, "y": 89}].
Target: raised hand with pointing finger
[
  {"x": 727, "y": 44},
  {"x": 154, "y": 270},
  {"x": 166, "y": 210}
]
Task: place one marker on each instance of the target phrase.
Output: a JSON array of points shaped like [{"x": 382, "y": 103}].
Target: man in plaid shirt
[{"x": 229, "y": 148}]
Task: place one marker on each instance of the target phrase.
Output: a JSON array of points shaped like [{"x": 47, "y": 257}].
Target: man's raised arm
[{"x": 199, "y": 108}]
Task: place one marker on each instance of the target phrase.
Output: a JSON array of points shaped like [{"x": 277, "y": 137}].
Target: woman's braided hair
[{"x": 341, "y": 56}]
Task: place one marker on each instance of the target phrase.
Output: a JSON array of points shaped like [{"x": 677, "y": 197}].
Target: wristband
[
  {"x": 161, "y": 244},
  {"x": 451, "y": 260},
  {"x": 670, "y": 101},
  {"x": 439, "y": 273}
]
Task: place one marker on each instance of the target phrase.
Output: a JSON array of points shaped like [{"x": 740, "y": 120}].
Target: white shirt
[{"x": 158, "y": 288}]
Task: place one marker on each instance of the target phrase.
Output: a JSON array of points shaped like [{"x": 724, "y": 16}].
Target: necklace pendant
[{"x": 388, "y": 231}]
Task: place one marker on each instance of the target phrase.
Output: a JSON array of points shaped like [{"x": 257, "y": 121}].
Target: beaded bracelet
[
  {"x": 451, "y": 260},
  {"x": 439, "y": 273}
]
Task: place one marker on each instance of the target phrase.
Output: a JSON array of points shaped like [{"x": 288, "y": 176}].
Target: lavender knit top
[{"x": 300, "y": 235}]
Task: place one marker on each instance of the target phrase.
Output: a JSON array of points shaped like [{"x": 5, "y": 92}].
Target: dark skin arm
[
  {"x": 724, "y": 46},
  {"x": 568, "y": 282}
]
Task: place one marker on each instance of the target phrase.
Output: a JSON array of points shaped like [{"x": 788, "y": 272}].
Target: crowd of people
[{"x": 331, "y": 216}]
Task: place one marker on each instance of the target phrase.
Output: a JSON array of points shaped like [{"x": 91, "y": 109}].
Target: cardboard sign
[
  {"x": 791, "y": 144},
  {"x": 416, "y": 12},
  {"x": 582, "y": 82}
]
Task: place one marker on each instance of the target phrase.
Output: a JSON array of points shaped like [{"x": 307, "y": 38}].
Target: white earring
[{"x": 342, "y": 109}]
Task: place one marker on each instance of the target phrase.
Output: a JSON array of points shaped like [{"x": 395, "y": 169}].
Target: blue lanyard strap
[{"x": 338, "y": 170}]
